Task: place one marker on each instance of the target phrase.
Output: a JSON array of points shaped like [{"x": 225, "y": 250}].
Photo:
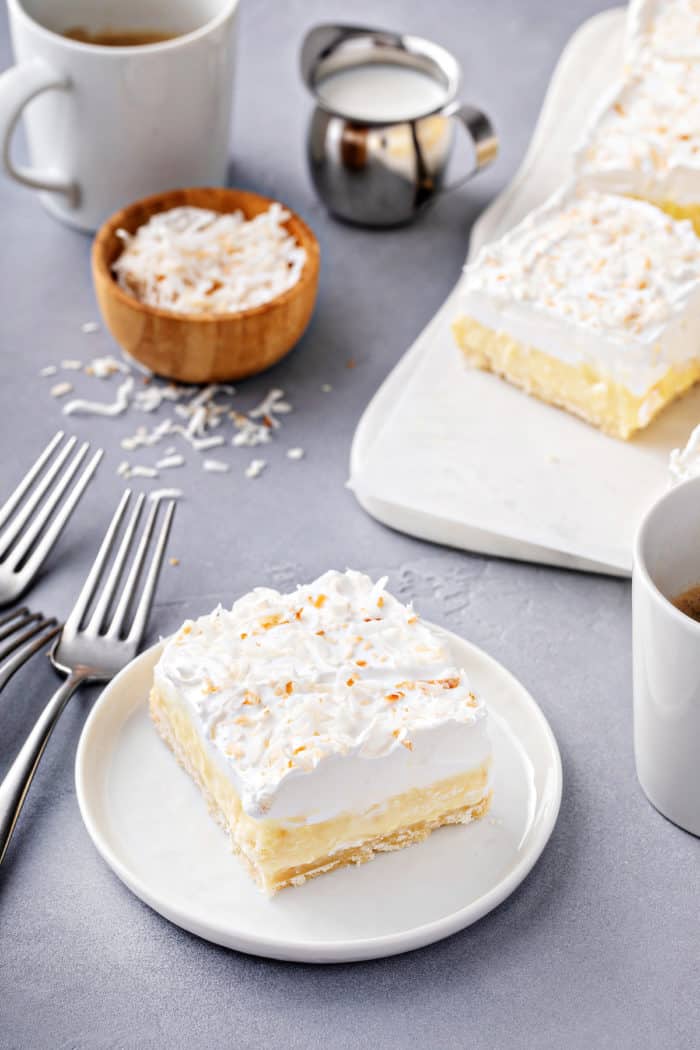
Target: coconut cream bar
[
  {"x": 592, "y": 303},
  {"x": 644, "y": 140},
  {"x": 322, "y": 726}
]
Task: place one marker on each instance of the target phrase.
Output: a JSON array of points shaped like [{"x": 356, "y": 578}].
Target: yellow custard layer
[
  {"x": 577, "y": 388},
  {"x": 279, "y": 855}
]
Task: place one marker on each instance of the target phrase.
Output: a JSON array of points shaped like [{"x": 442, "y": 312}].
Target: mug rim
[
  {"x": 229, "y": 8},
  {"x": 408, "y": 43},
  {"x": 640, "y": 564}
]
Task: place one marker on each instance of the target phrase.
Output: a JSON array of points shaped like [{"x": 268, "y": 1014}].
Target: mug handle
[
  {"x": 484, "y": 138},
  {"x": 18, "y": 86}
]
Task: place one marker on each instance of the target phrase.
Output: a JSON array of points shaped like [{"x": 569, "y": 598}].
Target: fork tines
[
  {"x": 22, "y": 633},
  {"x": 38, "y": 510},
  {"x": 126, "y": 587}
]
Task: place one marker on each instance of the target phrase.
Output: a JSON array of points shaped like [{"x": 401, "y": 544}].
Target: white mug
[
  {"x": 666, "y": 656},
  {"x": 107, "y": 125}
]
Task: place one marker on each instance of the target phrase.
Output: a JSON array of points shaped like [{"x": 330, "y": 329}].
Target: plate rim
[{"x": 332, "y": 951}]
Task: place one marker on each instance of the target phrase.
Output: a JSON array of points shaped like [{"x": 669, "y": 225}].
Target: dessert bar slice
[
  {"x": 322, "y": 726},
  {"x": 644, "y": 140},
  {"x": 592, "y": 303}
]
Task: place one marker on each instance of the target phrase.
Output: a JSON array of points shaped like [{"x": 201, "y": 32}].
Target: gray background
[{"x": 599, "y": 947}]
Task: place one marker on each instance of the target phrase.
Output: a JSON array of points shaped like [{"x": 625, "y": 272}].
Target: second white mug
[
  {"x": 666, "y": 656},
  {"x": 106, "y": 125}
]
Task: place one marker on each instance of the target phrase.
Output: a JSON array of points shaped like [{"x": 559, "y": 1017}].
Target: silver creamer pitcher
[{"x": 378, "y": 155}]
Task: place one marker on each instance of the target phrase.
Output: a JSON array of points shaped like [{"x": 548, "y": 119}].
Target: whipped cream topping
[
  {"x": 613, "y": 265},
  {"x": 594, "y": 278},
  {"x": 645, "y": 137},
  {"x": 684, "y": 463},
  {"x": 668, "y": 29},
  {"x": 284, "y": 685}
]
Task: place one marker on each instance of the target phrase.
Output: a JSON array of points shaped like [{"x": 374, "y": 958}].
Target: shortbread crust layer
[
  {"x": 279, "y": 855},
  {"x": 579, "y": 389}
]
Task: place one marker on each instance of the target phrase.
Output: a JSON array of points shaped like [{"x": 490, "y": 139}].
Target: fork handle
[{"x": 14, "y": 788}]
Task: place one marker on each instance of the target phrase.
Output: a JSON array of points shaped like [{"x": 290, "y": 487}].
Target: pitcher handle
[
  {"x": 484, "y": 138},
  {"x": 18, "y": 86}
]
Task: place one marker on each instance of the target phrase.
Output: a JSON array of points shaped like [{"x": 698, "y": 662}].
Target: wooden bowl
[{"x": 203, "y": 348}]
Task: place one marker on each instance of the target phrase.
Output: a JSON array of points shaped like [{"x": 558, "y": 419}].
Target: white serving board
[{"x": 457, "y": 456}]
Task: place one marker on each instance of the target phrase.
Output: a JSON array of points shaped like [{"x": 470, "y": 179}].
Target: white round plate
[{"x": 151, "y": 825}]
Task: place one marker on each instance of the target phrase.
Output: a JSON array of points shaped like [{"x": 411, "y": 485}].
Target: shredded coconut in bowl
[{"x": 195, "y": 261}]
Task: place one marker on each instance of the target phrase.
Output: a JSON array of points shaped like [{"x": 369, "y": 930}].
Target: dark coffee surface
[
  {"x": 689, "y": 602},
  {"x": 118, "y": 37}
]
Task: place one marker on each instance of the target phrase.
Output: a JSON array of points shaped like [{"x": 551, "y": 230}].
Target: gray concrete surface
[{"x": 600, "y": 946}]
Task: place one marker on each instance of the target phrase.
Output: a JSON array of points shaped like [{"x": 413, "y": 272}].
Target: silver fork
[
  {"x": 29, "y": 532},
  {"x": 95, "y": 644},
  {"x": 22, "y": 633}
]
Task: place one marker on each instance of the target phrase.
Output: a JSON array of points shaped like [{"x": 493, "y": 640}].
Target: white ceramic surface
[
  {"x": 460, "y": 457},
  {"x": 150, "y": 824},
  {"x": 108, "y": 125},
  {"x": 667, "y": 657}
]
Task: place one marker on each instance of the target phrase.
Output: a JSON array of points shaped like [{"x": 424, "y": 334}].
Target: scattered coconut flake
[
  {"x": 255, "y": 468},
  {"x": 71, "y": 365},
  {"x": 149, "y": 399},
  {"x": 144, "y": 437},
  {"x": 88, "y": 327},
  {"x": 215, "y": 466},
  {"x": 158, "y": 494},
  {"x": 191, "y": 260},
  {"x": 196, "y": 412},
  {"x": 204, "y": 396},
  {"x": 48, "y": 370},
  {"x": 202, "y": 444},
  {"x": 273, "y": 403},
  {"x": 199, "y": 444},
  {"x": 104, "y": 367},
  {"x": 326, "y": 388},
  {"x": 195, "y": 427},
  {"x": 61, "y": 389},
  {"x": 250, "y": 433},
  {"x": 173, "y": 460},
  {"x": 101, "y": 408},
  {"x": 125, "y": 470}
]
